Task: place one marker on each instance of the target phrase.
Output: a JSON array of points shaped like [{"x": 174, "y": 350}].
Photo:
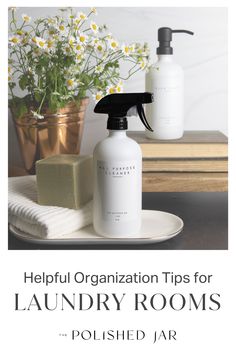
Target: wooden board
[
  {"x": 194, "y": 144},
  {"x": 185, "y": 182},
  {"x": 185, "y": 165}
]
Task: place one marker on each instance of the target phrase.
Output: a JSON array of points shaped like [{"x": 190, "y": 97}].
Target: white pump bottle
[{"x": 166, "y": 80}]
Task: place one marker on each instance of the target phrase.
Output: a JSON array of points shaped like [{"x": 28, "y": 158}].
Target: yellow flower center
[
  {"x": 15, "y": 40},
  {"x": 113, "y": 44},
  {"x": 41, "y": 44},
  {"x": 98, "y": 96},
  {"x": 34, "y": 40},
  {"x": 111, "y": 90},
  {"x": 77, "y": 21},
  {"x": 126, "y": 50},
  {"x": 94, "y": 27},
  {"x": 118, "y": 89},
  {"x": 99, "y": 48},
  {"x": 82, "y": 38},
  {"x": 61, "y": 28},
  {"x": 20, "y": 32},
  {"x": 70, "y": 82},
  {"x": 78, "y": 47},
  {"x": 50, "y": 44},
  {"x": 26, "y": 18}
]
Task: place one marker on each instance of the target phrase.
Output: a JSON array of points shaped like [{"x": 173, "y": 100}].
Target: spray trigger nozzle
[{"x": 119, "y": 105}]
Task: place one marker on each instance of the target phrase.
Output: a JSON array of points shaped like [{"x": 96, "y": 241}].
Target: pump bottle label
[{"x": 118, "y": 184}]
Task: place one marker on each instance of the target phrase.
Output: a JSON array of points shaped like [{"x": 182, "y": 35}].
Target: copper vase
[{"x": 57, "y": 133}]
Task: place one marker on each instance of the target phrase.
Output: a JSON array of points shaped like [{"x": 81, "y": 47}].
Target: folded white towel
[{"x": 39, "y": 220}]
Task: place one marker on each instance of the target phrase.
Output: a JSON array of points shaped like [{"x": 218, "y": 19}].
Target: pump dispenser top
[
  {"x": 165, "y": 37},
  {"x": 117, "y": 106}
]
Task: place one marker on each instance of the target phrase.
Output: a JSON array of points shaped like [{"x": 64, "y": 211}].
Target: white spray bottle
[
  {"x": 117, "y": 200},
  {"x": 166, "y": 80}
]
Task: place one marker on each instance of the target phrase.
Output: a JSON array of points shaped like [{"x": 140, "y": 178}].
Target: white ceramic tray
[{"x": 157, "y": 226}]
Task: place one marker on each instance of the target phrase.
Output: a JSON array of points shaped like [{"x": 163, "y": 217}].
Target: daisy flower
[
  {"x": 71, "y": 41},
  {"x": 20, "y": 32},
  {"x": 34, "y": 40},
  {"x": 79, "y": 47},
  {"x": 41, "y": 43},
  {"x": 26, "y": 18},
  {"x": 61, "y": 28},
  {"x": 132, "y": 48},
  {"x": 95, "y": 41},
  {"x": 94, "y": 10},
  {"x": 98, "y": 96},
  {"x": 81, "y": 16},
  {"x": 94, "y": 27},
  {"x": 119, "y": 87},
  {"x": 79, "y": 58},
  {"x": 99, "y": 69},
  {"x": 110, "y": 90},
  {"x": 71, "y": 17},
  {"x": 113, "y": 44},
  {"x": 143, "y": 63},
  {"x": 99, "y": 47},
  {"x": 51, "y": 21},
  {"x": 71, "y": 84},
  {"x": 82, "y": 38},
  {"x": 14, "y": 40},
  {"x": 127, "y": 49},
  {"x": 50, "y": 45}
]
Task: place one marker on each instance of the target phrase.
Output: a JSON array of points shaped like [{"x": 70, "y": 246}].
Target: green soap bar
[{"x": 65, "y": 180}]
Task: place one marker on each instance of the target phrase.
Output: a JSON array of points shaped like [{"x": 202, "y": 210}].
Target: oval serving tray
[{"x": 157, "y": 226}]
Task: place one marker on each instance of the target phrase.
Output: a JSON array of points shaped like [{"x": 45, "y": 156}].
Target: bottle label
[
  {"x": 169, "y": 100},
  {"x": 119, "y": 190}
]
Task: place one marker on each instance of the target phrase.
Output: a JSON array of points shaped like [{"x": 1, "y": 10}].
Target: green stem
[
  {"x": 40, "y": 106},
  {"x": 130, "y": 73},
  {"x": 12, "y": 94}
]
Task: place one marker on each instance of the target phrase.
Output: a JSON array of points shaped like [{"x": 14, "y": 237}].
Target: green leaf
[
  {"x": 23, "y": 82},
  {"x": 38, "y": 97},
  {"x": 22, "y": 109},
  {"x": 53, "y": 103},
  {"x": 96, "y": 81}
]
